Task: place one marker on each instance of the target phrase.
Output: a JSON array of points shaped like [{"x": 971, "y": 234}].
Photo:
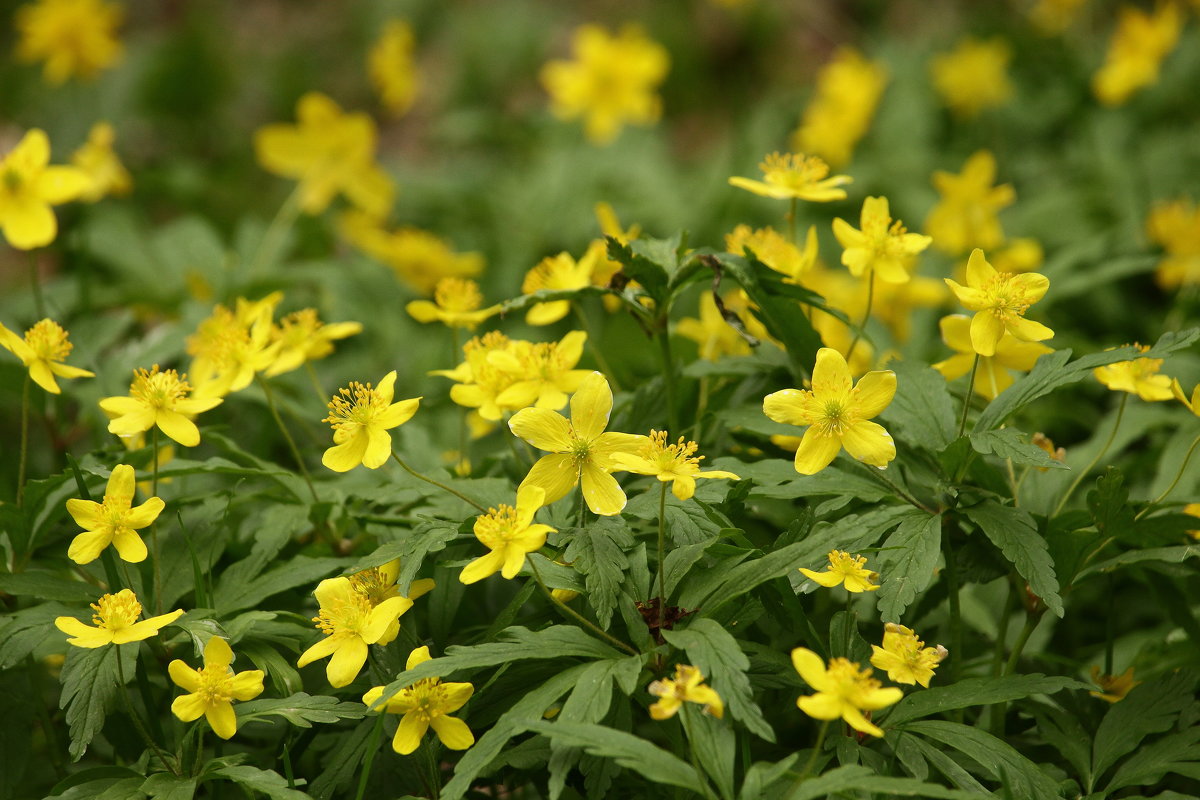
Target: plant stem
[
  {"x": 581, "y": 516},
  {"x": 597, "y": 354},
  {"x": 1083, "y": 473},
  {"x": 662, "y": 546},
  {"x": 1031, "y": 622},
  {"x": 952, "y": 590},
  {"x": 463, "y": 434},
  {"x": 684, "y": 714},
  {"x": 154, "y": 525},
  {"x": 1109, "y": 636},
  {"x": 881, "y": 476},
  {"x": 438, "y": 484},
  {"x": 322, "y": 395},
  {"x": 287, "y": 435},
  {"x": 816, "y": 752},
  {"x": 1002, "y": 635},
  {"x": 701, "y": 406},
  {"x": 1174, "y": 483},
  {"x": 47, "y": 725},
  {"x": 137, "y": 721},
  {"x": 866, "y": 314},
  {"x": 582, "y": 620},
  {"x": 668, "y": 365},
  {"x": 24, "y": 441},
  {"x": 369, "y": 758},
  {"x": 962, "y": 425},
  {"x": 39, "y": 302},
  {"x": 273, "y": 238}
]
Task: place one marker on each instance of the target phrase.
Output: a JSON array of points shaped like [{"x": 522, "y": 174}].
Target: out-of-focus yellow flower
[
  {"x": 511, "y": 534},
  {"x": 424, "y": 705},
  {"x": 844, "y": 690},
  {"x": 845, "y": 570},
  {"x": 113, "y": 521},
  {"x": 1046, "y": 444},
  {"x": 418, "y": 258},
  {"x": 965, "y": 216},
  {"x": 775, "y": 251},
  {"x": 1113, "y": 688},
  {"x": 611, "y": 81},
  {"x": 1052, "y": 17},
  {"x": 883, "y": 246},
  {"x": 1193, "y": 403},
  {"x": 391, "y": 67},
  {"x": 838, "y": 414},
  {"x": 302, "y": 337},
  {"x": 1018, "y": 255},
  {"x": 1000, "y": 300},
  {"x": 973, "y": 77},
  {"x": 213, "y": 688},
  {"x": 73, "y": 37},
  {"x": 1176, "y": 226},
  {"x": 711, "y": 332},
  {"x": 116, "y": 621},
  {"x": 904, "y": 657},
  {"x": 1139, "y": 376},
  {"x": 97, "y": 160},
  {"x": 795, "y": 176},
  {"x": 579, "y": 450},
  {"x": 456, "y": 304},
  {"x": 42, "y": 350},
  {"x": 1138, "y": 47},
  {"x": 1193, "y": 509},
  {"x": 158, "y": 398},
  {"x": 686, "y": 687},
  {"x": 605, "y": 268},
  {"x": 329, "y": 152},
  {"x": 670, "y": 463},
  {"x": 229, "y": 348},
  {"x": 556, "y": 273},
  {"x": 992, "y": 376},
  {"x": 361, "y": 417},
  {"x": 847, "y": 93},
  {"x": 29, "y": 187}
]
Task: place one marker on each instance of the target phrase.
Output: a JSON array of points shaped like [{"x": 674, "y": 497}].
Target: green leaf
[
  {"x": 907, "y": 561},
  {"x": 300, "y": 709},
  {"x": 852, "y": 778},
  {"x": 272, "y": 784},
  {"x": 1168, "y": 555},
  {"x": 633, "y": 753},
  {"x": 342, "y": 764},
  {"x": 22, "y": 632},
  {"x": 1151, "y": 707},
  {"x": 47, "y": 586},
  {"x": 648, "y": 272},
  {"x": 975, "y": 692},
  {"x": 90, "y": 686},
  {"x": 717, "y": 654},
  {"x": 231, "y": 596},
  {"x": 1109, "y": 504},
  {"x": 1011, "y": 443},
  {"x": 851, "y": 533},
  {"x": 597, "y": 553},
  {"x": 1020, "y": 776},
  {"x": 680, "y": 560},
  {"x": 1179, "y": 753},
  {"x": 763, "y": 774},
  {"x": 1013, "y": 531},
  {"x": 715, "y": 745},
  {"x": 281, "y": 671},
  {"x": 165, "y": 786},
  {"x": 1065, "y": 733},
  {"x": 922, "y": 412},
  {"x": 588, "y": 703},
  {"x": 412, "y": 547}
]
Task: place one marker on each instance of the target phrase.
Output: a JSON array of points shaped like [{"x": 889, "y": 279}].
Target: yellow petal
[
  {"x": 1029, "y": 331},
  {"x": 417, "y": 657},
  {"x": 482, "y": 567},
  {"x": 247, "y": 685},
  {"x": 83, "y": 635},
  {"x": 28, "y": 223},
  {"x": 87, "y": 546},
  {"x": 379, "y": 448},
  {"x": 347, "y": 455},
  {"x": 188, "y": 707},
  {"x": 147, "y": 512},
  {"x": 821, "y": 706},
  {"x": 455, "y": 696},
  {"x": 601, "y": 491},
  {"x": 43, "y": 376},
  {"x": 221, "y": 717},
  {"x": 387, "y": 387},
  {"x": 825, "y": 578},
  {"x": 831, "y": 375},
  {"x": 382, "y": 616},
  {"x": 789, "y": 407},
  {"x": 178, "y": 427},
  {"x": 979, "y": 271},
  {"x": 542, "y": 428},
  {"x": 398, "y": 413},
  {"x": 129, "y": 546},
  {"x": 986, "y": 331},
  {"x": 453, "y": 732},
  {"x": 184, "y": 676},
  {"x": 816, "y": 451},
  {"x": 217, "y": 653},
  {"x": 347, "y": 662},
  {"x": 409, "y": 733},
  {"x": 556, "y": 474},
  {"x": 869, "y": 442},
  {"x": 856, "y": 720},
  {"x": 873, "y": 393},
  {"x": 590, "y": 406}
]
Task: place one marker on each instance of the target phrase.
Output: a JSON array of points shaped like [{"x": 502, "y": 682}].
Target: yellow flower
[
  {"x": 580, "y": 452},
  {"x": 424, "y": 705},
  {"x": 361, "y": 418},
  {"x": 1176, "y": 226},
  {"x": 1047, "y": 445},
  {"x": 1139, "y": 44},
  {"x": 1055, "y": 16},
  {"x": 1139, "y": 376},
  {"x": 213, "y": 688},
  {"x": 687, "y": 686},
  {"x": 1113, "y": 688},
  {"x": 229, "y": 348},
  {"x": 42, "y": 350},
  {"x": 1017, "y": 255},
  {"x": 775, "y": 251},
  {"x": 844, "y": 690},
  {"x": 670, "y": 463},
  {"x": 847, "y": 93},
  {"x": 73, "y": 37},
  {"x": 882, "y": 246},
  {"x": 604, "y": 269},
  {"x": 973, "y": 77},
  {"x": 904, "y": 657},
  {"x": 1000, "y": 300},
  {"x": 965, "y": 216},
  {"x": 795, "y": 175},
  {"x": 113, "y": 521},
  {"x": 29, "y": 186},
  {"x": 391, "y": 68},
  {"x": 844, "y": 569},
  {"x": 105, "y": 172},
  {"x": 158, "y": 398},
  {"x": 418, "y": 258},
  {"x": 557, "y": 273},
  {"x": 611, "y": 81},
  {"x": 1193, "y": 509},
  {"x": 302, "y": 337},
  {"x": 715, "y": 336},
  {"x": 116, "y": 621},
  {"x": 510, "y": 534},
  {"x": 838, "y": 414},
  {"x": 356, "y": 611},
  {"x": 992, "y": 376},
  {"x": 1193, "y": 404},
  {"x": 329, "y": 153},
  {"x": 456, "y": 303}
]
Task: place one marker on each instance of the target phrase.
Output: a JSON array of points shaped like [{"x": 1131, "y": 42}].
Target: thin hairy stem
[
  {"x": 438, "y": 484},
  {"x": 1084, "y": 472}
]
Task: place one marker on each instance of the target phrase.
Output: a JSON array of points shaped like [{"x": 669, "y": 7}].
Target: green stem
[
  {"x": 1031, "y": 622},
  {"x": 137, "y": 721},
  {"x": 438, "y": 484},
  {"x": 287, "y": 436},
  {"x": 881, "y": 476},
  {"x": 154, "y": 525},
  {"x": 701, "y": 406},
  {"x": 1002, "y": 636},
  {"x": 1109, "y": 634},
  {"x": 597, "y": 354},
  {"x": 684, "y": 714},
  {"x": 816, "y": 752},
  {"x": 1083, "y": 473},
  {"x": 273, "y": 238},
  {"x": 668, "y": 365},
  {"x": 581, "y": 516},
  {"x": 962, "y": 425},
  {"x": 39, "y": 302},
  {"x": 662, "y": 546},
  {"x": 322, "y": 395},
  {"x": 866, "y": 314},
  {"x": 952, "y": 590},
  {"x": 1174, "y": 483},
  {"x": 369, "y": 758},
  {"x": 47, "y": 725},
  {"x": 575, "y": 615},
  {"x": 24, "y": 441}
]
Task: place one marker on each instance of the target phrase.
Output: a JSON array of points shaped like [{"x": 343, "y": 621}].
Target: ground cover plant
[{"x": 726, "y": 399}]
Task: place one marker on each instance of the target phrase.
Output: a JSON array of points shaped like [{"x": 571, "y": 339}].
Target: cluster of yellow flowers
[{"x": 1176, "y": 226}]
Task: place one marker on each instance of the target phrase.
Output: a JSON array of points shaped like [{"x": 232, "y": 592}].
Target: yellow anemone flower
[
  {"x": 1113, "y": 688},
  {"x": 1000, "y": 300},
  {"x": 1139, "y": 376},
  {"x": 844, "y": 690},
  {"x": 116, "y": 621},
  {"x": 304, "y": 338},
  {"x": 845, "y": 97},
  {"x": 838, "y": 414},
  {"x": 213, "y": 688},
  {"x": 113, "y": 521},
  {"x": 510, "y": 534},
  {"x": 1139, "y": 44},
  {"x": 844, "y": 569},
  {"x": 795, "y": 176},
  {"x": 96, "y": 159},
  {"x": 883, "y": 246},
  {"x": 540, "y": 374},
  {"x": 670, "y": 463},
  {"x": 73, "y": 37},
  {"x": 418, "y": 258},
  {"x": 391, "y": 67},
  {"x": 775, "y": 251},
  {"x": 992, "y": 376},
  {"x": 965, "y": 215},
  {"x": 580, "y": 452},
  {"x": 361, "y": 417},
  {"x": 712, "y": 332},
  {"x": 42, "y": 350},
  {"x": 230, "y": 347},
  {"x": 158, "y": 398},
  {"x": 424, "y": 705},
  {"x": 973, "y": 76},
  {"x": 557, "y": 273},
  {"x": 904, "y": 657},
  {"x": 29, "y": 186},
  {"x": 456, "y": 304},
  {"x": 687, "y": 686},
  {"x": 1175, "y": 225},
  {"x": 1193, "y": 403}
]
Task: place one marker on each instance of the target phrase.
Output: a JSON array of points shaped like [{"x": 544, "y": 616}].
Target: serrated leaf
[
  {"x": 1065, "y": 733},
  {"x": 1020, "y": 776},
  {"x": 47, "y": 586},
  {"x": 647, "y": 271},
  {"x": 922, "y": 412},
  {"x": 301, "y": 709},
  {"x": 1168, "y": 555},
  {"x": 858, "y": 778},
  {"x": 975, "y": 692},
  {"x": 715, "y": 744},
  {"x": 597, "y": 553},
  {"x": 1179, "y": 753},
  {"x": 763, "y": 774},
  {"x": 1151, "y": 707},
  {"x": 588, "y": 703},
  {"x": 165, "y": 786},
  {"x": 24, "y": 631},
  {"x": 90, "y": 686},
  {"x": 272, "y": 784},
  {"x": 298, "y": 571},
  {"x": 631, "y": 752},
  {"x": 1013, "y": 531},
  {"x": 907, "y": 561},
  {"x": 412, "y": 547},
  {"x": 1109, "y": 504},
  {"x": 1011, "y": 443}
]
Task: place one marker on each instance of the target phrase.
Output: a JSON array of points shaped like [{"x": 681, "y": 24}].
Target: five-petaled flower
[
  {"x": 213, "y": 688},
  {"x": 29, "y": 186},
  {"x": 42, "y": 351},
  {"x": 1139, "y": 376},
  {"x": 992, "y": 374},
  {"x": 456, "y": 304},
  {"x": 883, "y": 247},
  {"x": 158, "y": 398},
  {"x": 113, "y": 521},
  {"x": 116, "y": 621},
  {"x": 361, "y": 417},
  {"x": 72, "y": 37},
  {"x": 686, "y": 686},
  {"x": 1000, "y": 300},
  {"x": 670, "y": 463},
  {"x": 426, "y": 704},
  {"x": 904, "y": 657},
  {"x": 847, "y": 570},
  {"x": 838, "y": 414},
  {"x": 1113, "y": 688},
  {"x": 511, "y": 534},
  {"x": 795, "y": 176},
  {"x": 844, "y": 690}
]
